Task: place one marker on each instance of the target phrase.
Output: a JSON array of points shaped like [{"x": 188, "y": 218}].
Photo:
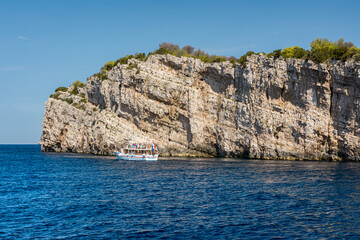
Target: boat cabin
[{"x": 140, "y": 149}]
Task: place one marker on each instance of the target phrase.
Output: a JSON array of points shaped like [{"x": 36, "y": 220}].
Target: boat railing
[
  {"x": 149, "y": 149},
  {"x": 139, "y": 148}
]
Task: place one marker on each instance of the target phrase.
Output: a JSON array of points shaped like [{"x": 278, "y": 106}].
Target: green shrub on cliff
[
  {"x": 276, "y": 54},
  {"x": 108, "y": 66},
  {"x": 198, "y": 53},
  {"x": 124, "y": 60},
  {"x": 162, "y": 51},
  {"x": 77, "y": 85},
  {"x": 69, "y": 100},
  {"x": 79, "y": 106},
  {"x": 188, "y": 51},
  {"x": 111, "y": 64},
  {"x": 242, "y": 59},
  {"x": 62, "y": 89},
  {"x": 140, "y": 56},
  {"x": 212, "y": 58},
  {"x": 75, "y": 105},
  {"x": 168, "y": 48},
  {"x": 132, "y": 65},
  {"x": 55, "y": 95},
  {"x": 320, "y": 50},
  {"x": 323, "y": 50},
  {"x": 293, "y": 52},
  {"x": 352, "y": 52},
  {"x": 101, "y": 75}
]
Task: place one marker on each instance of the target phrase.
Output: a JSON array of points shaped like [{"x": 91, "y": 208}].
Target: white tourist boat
[{"x": 138, "y": 152}]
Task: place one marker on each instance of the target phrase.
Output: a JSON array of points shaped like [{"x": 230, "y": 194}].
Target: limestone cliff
[{"x": 272, "y": 109}]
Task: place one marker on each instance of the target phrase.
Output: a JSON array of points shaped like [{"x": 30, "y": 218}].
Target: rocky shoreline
[{"x": 271, "y": 109}]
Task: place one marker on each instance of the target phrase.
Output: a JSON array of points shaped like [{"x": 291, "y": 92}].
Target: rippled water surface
[{"x": 73, "y": 196}]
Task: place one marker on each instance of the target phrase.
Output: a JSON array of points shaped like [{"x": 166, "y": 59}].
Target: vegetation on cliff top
[
  {"x": 62, "y": 89},
  {"x": 71, "y": 95},
  {"x": 74, "y": 90},
  {"x": 321, "y": 51},
  {"x": 77, "y": 85}
]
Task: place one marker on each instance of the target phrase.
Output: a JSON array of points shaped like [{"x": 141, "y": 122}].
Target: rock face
[{"x": 271, "y": 109}]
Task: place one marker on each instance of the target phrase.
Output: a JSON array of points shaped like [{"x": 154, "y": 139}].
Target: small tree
[
  {"x": 140, "y": 56},
  {"x": 108, "y": 66},
  {"x": 79, "y": 84},
  {"x": 199, "y": 53},
  {"x": 320, "y": 50},
  {"x": 293, "y": 52},
  {"x": 162, "y": 51},
  {"x": 169, "y": 46},
  {"x": 62, "y": 89},
  {"x": 188, "y": 49},
  {"x": 276, "y": 53}
]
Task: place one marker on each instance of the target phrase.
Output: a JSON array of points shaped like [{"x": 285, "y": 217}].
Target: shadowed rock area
[{"x": 271, "y": 109}]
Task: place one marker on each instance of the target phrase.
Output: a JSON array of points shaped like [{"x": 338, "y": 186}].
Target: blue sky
[{"x": 47, "y": 44}]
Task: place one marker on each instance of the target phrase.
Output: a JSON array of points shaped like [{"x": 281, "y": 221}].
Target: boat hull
[{"x": 122, "y": 156}]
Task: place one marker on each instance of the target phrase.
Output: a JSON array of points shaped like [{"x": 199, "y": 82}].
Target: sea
[{"x": 80, "y": 196}]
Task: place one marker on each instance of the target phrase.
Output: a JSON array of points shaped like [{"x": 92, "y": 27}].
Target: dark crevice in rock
[
  {"x": 172, "y": 64},
  {"x": 187, "y": 127},
  {"x": 218, "y": 83}
]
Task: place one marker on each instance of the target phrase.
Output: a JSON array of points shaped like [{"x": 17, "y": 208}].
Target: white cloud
[{"x": 22, "y": 38}]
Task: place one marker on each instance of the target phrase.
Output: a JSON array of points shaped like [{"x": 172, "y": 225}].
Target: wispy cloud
[
  {"x": 11, "y": 69},
  {"x": 22, "y": 38}
]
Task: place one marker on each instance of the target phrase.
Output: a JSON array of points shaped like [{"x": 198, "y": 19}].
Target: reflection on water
[{"x": 51, "y": 195}]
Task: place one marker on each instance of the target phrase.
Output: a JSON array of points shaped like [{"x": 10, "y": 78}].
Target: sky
[{"x": 47, "y": 44}]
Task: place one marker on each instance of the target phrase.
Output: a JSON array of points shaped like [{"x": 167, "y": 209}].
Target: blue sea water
[{"x": 75, "y": 196}]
